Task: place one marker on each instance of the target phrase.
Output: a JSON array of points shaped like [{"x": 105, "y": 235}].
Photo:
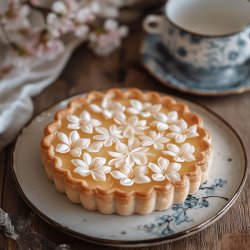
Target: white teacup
[{"x": 204, "y": 34}]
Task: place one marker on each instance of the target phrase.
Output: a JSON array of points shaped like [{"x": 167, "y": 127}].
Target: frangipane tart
[{"x": 126, "y": 151}]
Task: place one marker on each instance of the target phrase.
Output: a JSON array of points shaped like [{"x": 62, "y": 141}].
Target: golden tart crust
[{"x": 144, "y": 196}]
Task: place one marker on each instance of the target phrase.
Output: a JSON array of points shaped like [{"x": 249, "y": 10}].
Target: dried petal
[
  {"x": 133, "y": 111},
  {"x": 98, "y": 175},
  {"x": 98, "y": 161},
  {"x": 95, "y": 147},
  {"x": 73, "y": 118},
  {"x": 140, "y": 170},
  {"x": 108, "y": 143},
  {"x": 63, "y": 138},
  {"x": 76, "y": 152},
  {"x": 118, "y": 175},
  {"x": 174, "y": 167},
  {"x": 73, "y": 126},
  {"x": 175, "y": 128},
  {"x": 163, "y": 163},
  {"x": 136, "y": 104},
  {"x": 192, "y": 134},
  {"x": 158, "y": 146},
  {"x": 187, "y": 148},
  {"x": 87, "y": 158},
  {"x": 145, "y": 114},
  {"x": 158, "y": 177},
  {"x": 126, "y": 182},
  {"x": 160, "y": 117},
  {"x": 188, "y": 157},
  {"x": 79, "y": 163},
  {"x": 182, "y": 124},
  {"x": 95, "y": 108},
  {"x": 62, "y": 148},
  {"x": 107, "y": 114},
  {"x": 167, "y": 152},
  {"x": 155, "y": 168},
  {"x": 82, "y": 171},
  {"x": 141, "y": 179},
  {"x": 82, "y": 143},
  {"x": 87, "y": 128},
  {"x": 172, "y": 116},
  {"x": 173, "y": 176},
  {"x": 95, "y": 122},
  {"x": 74, "y": 136},
  {"x": 173, "y": 148},
  {"x": 179, "y": 138},
  {"x": 106, "y": 169},
  {"x": 161, "y": 126},
  {"x": 102, "y": 131},
  {"x": 85, "y": 116},
  {"x": 139, "y": 158}
]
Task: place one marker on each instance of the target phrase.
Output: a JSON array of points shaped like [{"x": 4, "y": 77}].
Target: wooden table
[{"x": 85, "y": 72}]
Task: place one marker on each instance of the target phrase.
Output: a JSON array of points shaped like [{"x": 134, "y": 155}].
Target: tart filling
[{"x": 126, "y": 152}]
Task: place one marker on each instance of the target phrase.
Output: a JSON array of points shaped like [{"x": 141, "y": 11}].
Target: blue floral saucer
[{"x": 160, "y": 64}]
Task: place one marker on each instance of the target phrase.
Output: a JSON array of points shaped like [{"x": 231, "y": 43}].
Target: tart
[{"x": 126, "y": 151}]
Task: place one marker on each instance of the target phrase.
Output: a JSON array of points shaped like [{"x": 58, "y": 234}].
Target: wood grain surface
[{"x": 85, "y": 72}]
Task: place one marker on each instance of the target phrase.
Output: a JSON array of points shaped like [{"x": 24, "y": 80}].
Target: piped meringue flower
[
  {"x": 181, "y": 131},
  {"x": 182, "y": 153},
  {"x": 91, "y": 166},
  {"x": 108, "y": 136},
  {"x": 165, "y": 170},
  {"x": 109, "y": 109},
  {"x": 154, "y": 139},
  {"x": 163, "y": 120},
  {"x": 83, "y": 122},
  {"x": 143, "y": 109},
  {"x": 73, "y": 144},
  {"x": 132, "y": 126},
  {"x": 129, "y": 154},
  {"x": 128, "y": 176}
]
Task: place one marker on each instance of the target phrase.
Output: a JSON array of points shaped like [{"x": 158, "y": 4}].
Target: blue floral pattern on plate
[
  {"x": 160, "y": 64},
  {"x": 179, "y": 213}
]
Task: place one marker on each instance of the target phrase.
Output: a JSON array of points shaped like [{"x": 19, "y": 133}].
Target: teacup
[{"x": 204, "y": 34}]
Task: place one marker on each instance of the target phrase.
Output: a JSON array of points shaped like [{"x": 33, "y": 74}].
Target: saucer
[{"x": 161, "y": 65}]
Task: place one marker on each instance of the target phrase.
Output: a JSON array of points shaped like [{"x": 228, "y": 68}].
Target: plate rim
[
  {"x": 182, "y": 89},
  {"x": 133, "y": 243}
]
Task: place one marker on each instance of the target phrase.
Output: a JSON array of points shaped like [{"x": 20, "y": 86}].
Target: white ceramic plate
[{"x": 226, "y": 179}]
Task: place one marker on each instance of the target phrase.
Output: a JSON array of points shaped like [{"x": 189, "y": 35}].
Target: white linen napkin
[{"x": 16, "y": 91}]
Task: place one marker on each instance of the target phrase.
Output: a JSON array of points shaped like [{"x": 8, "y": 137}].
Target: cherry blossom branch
[{"x": 91, "y": 21}]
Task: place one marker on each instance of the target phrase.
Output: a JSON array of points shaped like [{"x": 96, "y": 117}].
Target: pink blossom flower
[
  {"x": 105, "y": 8},
  {"x": 37, "y": 28},
  {"x": 16, "y": 17},
  {"x": 104, "y": 43}
]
